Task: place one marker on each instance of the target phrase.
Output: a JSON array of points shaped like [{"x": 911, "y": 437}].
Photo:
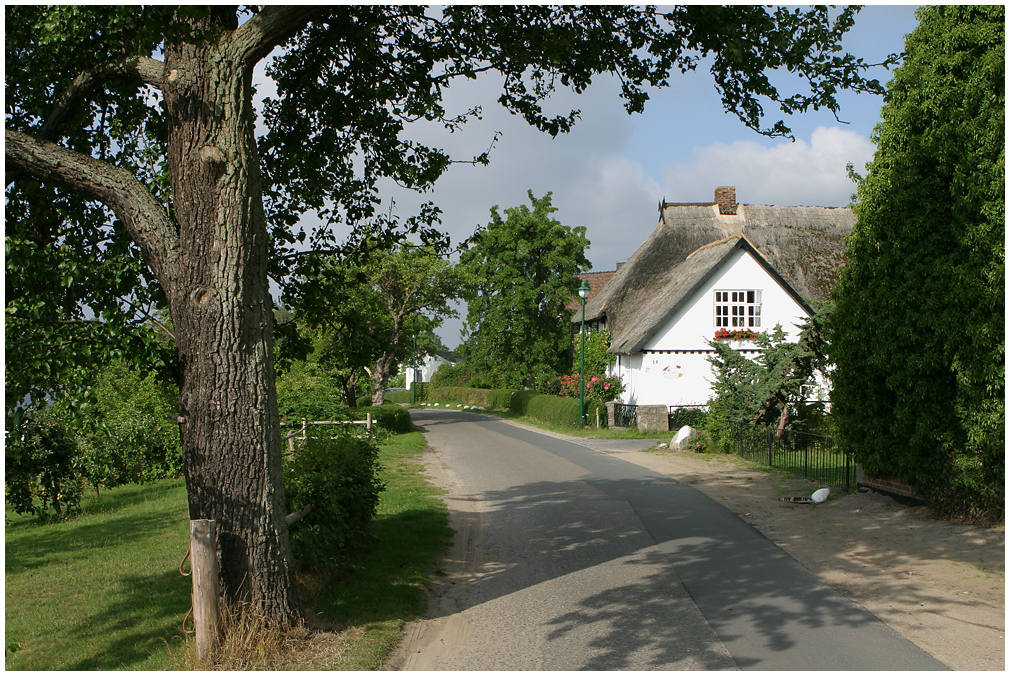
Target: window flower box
[{"x": 736, "y": 334}]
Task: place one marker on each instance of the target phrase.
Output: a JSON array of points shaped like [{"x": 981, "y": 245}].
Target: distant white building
[
  {"x": 707, "y": 269},
  {"x": 428, "y": 367}
]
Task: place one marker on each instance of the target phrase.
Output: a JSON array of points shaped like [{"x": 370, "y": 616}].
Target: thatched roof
[{"x": 802, "y": 246}]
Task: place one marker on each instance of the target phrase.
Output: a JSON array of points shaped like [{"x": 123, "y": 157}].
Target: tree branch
[
  {"x": 144, "y": 217},
  {"x": 272, "y": 26},
  {"x": 146, "y": 69}
]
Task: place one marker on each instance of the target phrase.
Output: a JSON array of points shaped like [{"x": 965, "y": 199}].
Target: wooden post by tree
[{"x": 203, "y": 557}]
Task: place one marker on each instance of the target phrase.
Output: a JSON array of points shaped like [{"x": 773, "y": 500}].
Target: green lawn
[{"x": 103, "y": 590}]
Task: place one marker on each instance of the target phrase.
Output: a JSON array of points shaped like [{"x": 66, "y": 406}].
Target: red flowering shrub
[
  {"x": 736, "y": 334},
  {"x": 601, "y": 389}
]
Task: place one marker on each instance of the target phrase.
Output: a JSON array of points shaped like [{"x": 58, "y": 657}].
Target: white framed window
[{"x": 739, "y": 309}]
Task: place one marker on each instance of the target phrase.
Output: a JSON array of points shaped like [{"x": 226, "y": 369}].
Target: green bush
[
  {"x": 519, "y": 401},
  {"x": 42, "y": 467},
  {"x": 692, "y": 417},
  {"x": 338, "y": 478},
  {"x": 499, "y": 399},
  {"x": 364, "y": 400},
  {"x": 466, "y": 395},
  {"x": 420, "y": 390},
  {"x": 391, "y": 417},
  {"x": 126, "y": 436},
  {"x": 718, "y": 427},
  {"x": 449, "y": 375},
  {"x": 305, "y": 392}
]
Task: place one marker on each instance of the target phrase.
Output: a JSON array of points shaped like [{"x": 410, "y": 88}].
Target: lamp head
[{"x": 584, "y": 290}]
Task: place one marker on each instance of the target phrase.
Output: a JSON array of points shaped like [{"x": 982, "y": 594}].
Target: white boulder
[{"x": 684, "y": 438}]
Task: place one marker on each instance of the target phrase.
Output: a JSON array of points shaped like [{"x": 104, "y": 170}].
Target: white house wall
[
  {"x": 673, "y": 366},
  {"x": 426, "y": 370},
  {"x": 670, "y": 379}
]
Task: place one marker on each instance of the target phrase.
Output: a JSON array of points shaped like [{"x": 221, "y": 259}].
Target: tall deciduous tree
[
  {"x": 918, "y": 333},
  {"x": 521, "y": 272},
  {"x": 130, "y": 140},
  {"x": 369, "y": 307}
]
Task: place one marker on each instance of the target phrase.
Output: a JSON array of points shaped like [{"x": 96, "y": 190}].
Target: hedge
[
  {"x": 339, "y": 478},
  {"x": 547, "y": 408},
  {"x": 498, "y": 399},
  {"x": 398, "y": 397},
  {"x": 563, "y": 411}
]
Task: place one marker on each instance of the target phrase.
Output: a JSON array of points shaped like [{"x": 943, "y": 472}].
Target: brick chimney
[{"x": 725, "y": 197}]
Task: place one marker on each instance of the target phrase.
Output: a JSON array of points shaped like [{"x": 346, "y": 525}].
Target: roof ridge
[{"x": 720, "y": 242}]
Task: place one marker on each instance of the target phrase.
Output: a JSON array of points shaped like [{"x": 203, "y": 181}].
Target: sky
[{"x": 611, "y": 171}]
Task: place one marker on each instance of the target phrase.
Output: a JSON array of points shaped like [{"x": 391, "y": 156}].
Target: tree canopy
[
  {"x": 368, "y": 307},
  {"x": 136, "y": 180},
  {"x": 521, "y": 275},
  {"x": 918, "y": 333}
]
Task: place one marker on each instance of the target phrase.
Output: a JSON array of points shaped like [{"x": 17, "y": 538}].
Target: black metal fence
[
  {"x": 625, "y": 415},
  {"x": 809, "y": 455}
]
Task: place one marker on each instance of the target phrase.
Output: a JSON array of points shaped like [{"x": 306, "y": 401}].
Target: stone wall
[{"x": 653, "y": 417}]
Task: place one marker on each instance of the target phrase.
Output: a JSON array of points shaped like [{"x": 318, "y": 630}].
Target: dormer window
[{"x": 738, "y": 309}]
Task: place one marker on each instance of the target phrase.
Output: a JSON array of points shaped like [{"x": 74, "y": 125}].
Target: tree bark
[
  {"x": 350, "y": 390},
  {"x": 384, "y": 364},
  {"x": 221, "y": 310},
  {"x": 209, "y": 256}
]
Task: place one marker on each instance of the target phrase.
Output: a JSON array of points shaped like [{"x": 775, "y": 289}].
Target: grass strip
[
  {"x": 386, "y": 585},
  {"x": 103, "y": 591}
]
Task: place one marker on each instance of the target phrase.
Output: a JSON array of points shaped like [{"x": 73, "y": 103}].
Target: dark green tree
[
  {"x": 134, "y": 174},
  {"x": 771, "y": 388},
  {"x": 521, "y": 275},
  {"x": 918, "y": 334},
  {"x": 370, "y": 306}
]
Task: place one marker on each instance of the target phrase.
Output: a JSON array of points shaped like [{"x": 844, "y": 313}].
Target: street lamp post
[
  {"x": 413, "y": 368},
  {"x": 583, "y": 294}
]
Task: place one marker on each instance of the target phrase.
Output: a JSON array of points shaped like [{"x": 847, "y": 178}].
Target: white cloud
[
  {"x": 787, "y": 173},
  {"x": 616, "y": 200}
]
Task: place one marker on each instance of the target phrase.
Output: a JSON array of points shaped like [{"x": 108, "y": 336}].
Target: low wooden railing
[{"x": 302, "y": 433}]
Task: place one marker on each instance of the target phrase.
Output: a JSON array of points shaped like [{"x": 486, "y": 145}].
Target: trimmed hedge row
[
  {"x": 547, "y": 408},
  {"x": 563, "y": 411},
  {"x": 466, "y": 395},
  {"x": 470, "y": 395},
  {"x": 398, "y": 397}
]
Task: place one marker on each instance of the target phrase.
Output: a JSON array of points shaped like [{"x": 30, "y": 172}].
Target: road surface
[{"x": 568, "y": 558}]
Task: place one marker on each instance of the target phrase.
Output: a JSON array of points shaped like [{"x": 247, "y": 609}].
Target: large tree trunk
[
  {"x": 209, "y": 255},
  {"x": 384, "y": 364},
  {"x": 380, "y": 378},
  {"x": 221, "y": 310}
]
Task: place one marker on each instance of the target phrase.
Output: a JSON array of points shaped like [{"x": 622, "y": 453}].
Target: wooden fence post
[
  {"x": 303, "y": 429},
  {"x": 368, "y": 422},
  {"x": 203, "y": 558}
]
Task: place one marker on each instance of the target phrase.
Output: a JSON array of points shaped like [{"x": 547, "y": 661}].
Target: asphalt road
[{"x": 568, "y": 558}]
